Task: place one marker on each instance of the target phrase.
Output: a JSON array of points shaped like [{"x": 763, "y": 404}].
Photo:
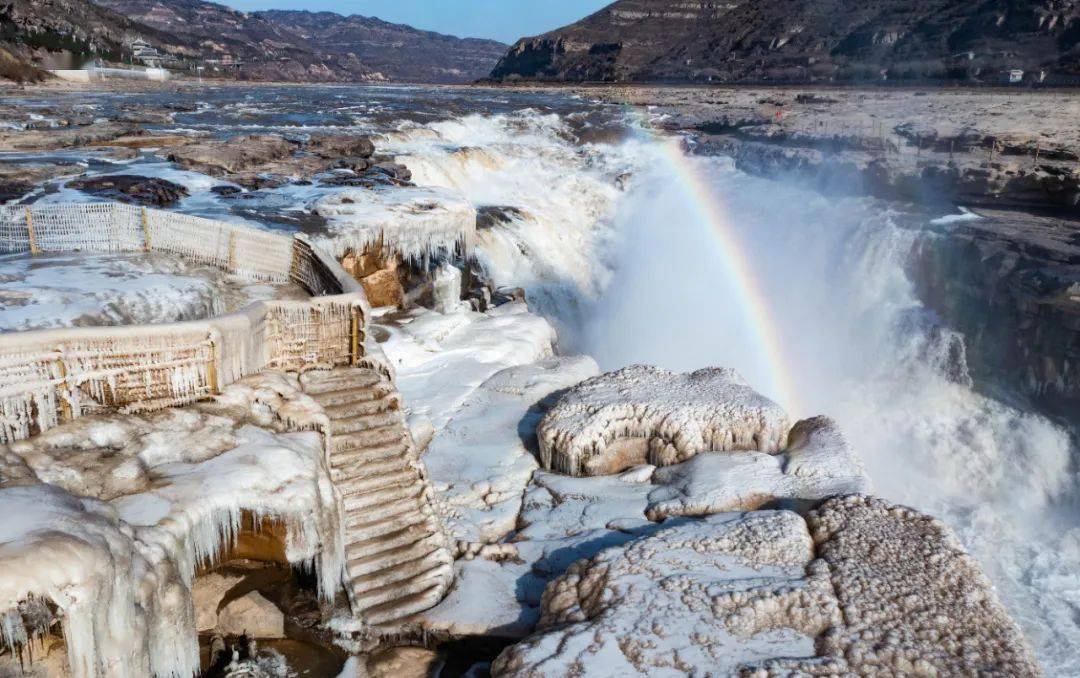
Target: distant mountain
[
  {"x": 805, "y": 41},
  {"x": 283, "y": 46},
  {"x": 242, "y": 45},
  {"x": 401, "y": 52}
]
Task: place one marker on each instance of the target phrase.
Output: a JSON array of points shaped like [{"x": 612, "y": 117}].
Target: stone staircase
[{"x": 398, "y": 560}]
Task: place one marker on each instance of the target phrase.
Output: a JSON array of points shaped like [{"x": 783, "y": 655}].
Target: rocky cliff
[{"x": 789, "y": 41}]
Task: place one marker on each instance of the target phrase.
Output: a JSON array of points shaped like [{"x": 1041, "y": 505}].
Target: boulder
[
  {"x": 644, "y": 414},
  {"x": 862, "y": 587},
  {"x": 149, "y": 191},
  {"x": 817, "y": 464},
  {"x": 252, "y": 615},
  {"x": 206, "y": 594},
  {"x": 238, "y": 154},
  {"x": 341, "y": 146}
]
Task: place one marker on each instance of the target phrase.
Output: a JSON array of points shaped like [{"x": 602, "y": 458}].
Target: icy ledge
[
  {"x": 165, "y": 493},
  {"x": 862, "y": 587},
  {"x": 644, "y": 414}
]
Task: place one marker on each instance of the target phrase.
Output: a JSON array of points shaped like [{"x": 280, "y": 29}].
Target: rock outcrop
[
  {"x": 775, "y": 41},
  {"x": 871, "y": 589},
  {"x": 718, "y": 593},
  {"x": 150, "y": 191},
  {"x": 1011, "y": 283},
  {"x": 816, "y": 464},
  {"x": 644, "y": 414}
]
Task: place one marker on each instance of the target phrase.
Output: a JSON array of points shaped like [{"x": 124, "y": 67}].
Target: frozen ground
[{"x": 82, "y": 289}]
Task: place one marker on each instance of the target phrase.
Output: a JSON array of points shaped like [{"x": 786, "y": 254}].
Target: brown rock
[
  {"x": 341, "y": 146},
  {"x": 238, "y": 154},
  {"x": 402, "y": 662}
]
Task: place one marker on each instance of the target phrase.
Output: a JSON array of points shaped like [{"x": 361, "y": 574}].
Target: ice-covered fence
[
  {"x": 114, "y": 227},
  {"x": 48, "y": 376}
]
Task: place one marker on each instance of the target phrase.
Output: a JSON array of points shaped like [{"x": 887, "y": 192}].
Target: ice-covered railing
[{"x": 49, "y": 376}]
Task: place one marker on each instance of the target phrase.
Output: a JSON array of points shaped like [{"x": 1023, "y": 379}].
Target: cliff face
[
  {"x": 798, "y": 41},
  {"x": 401, "y": 52}
]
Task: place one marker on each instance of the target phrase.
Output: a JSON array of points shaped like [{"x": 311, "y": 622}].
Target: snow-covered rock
[
  {"x": 164, "y": 494},
  {"x": 474, "y": 383},
  {"x": 77, "y": 554},
  {"x": 644, "y": 414},
  {"x": 913, "y": 601},
  {"x": 817, "y": 464},
  {"x": 413, "y": 222},
  {"x": 252, "y": 615},
  {"x": 718, "y": 593},
  {"x": 862, "y": 587}
]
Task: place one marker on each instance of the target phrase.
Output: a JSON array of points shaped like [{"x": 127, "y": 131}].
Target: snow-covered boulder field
[
  {"x": 644, "y": 414},
  {"x": 860, "y": 588}
]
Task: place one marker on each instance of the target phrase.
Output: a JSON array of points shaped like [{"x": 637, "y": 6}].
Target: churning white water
[{"x": 636, "y": 275}]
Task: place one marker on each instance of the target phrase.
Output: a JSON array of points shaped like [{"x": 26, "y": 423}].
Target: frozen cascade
[
  {"x": 120, "y": 568},
  {"x": 852, "y": 340}
]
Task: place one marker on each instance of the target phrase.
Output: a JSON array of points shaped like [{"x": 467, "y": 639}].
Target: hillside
[
  {"x": 251, "y": 46},
  {"x": 64, "y": 34},
  {"x": 289, "y": 46},
  {"x": 802, "y": 41},
  {"x": 401, "y": 52}
]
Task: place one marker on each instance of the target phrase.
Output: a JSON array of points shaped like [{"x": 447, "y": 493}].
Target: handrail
[{"x": 49, "y": 376}]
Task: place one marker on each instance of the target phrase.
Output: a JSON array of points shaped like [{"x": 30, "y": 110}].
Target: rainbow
[{"x": 754, "y": 304}]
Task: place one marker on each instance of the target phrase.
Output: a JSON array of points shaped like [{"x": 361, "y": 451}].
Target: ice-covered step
[
  {"x": 406, "y": 535},
  {"x": 349, "y": 449},
  {"x": 360, "y": 518},
  {"x": 365, "y": 422},
  {"x": 363, "y": 530},
  {"x": 345, "y": 396},
  {"x": 397, "y": 558},
  {"x": 394, "y": 610},
  {"x": 404, "y": 581},
  {"x": 378, "y": 498},
  {"x": 378, "y": 481},
  {"x": 391, "y": 557},
  {"x": 325, "y": 381},
  {"x": 371, "y": 437},
  {"x": 357, "y": 408}
]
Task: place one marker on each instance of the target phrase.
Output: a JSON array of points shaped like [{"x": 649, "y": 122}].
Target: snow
[
  {"x": 166, "y": 493},
  {"x": 417, "y": 223},
  {"x": 66, "y": 290},
  {"x": 817, "y": 464},
  {"x": 644, "y": 413},
  {"x": 720, "y": 593}
]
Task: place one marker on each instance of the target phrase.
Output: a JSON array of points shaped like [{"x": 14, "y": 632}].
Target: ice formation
[
  {"x": 168, "y": 492},
  {"x": 913, "y": 601},
  {"x": 645, "y": 414},
  {"x": 416, "y": 223},
  {"x": 817, "y": 464},
  {"x": 862, "y": 587},
  {"x": 718, "y": 593}
]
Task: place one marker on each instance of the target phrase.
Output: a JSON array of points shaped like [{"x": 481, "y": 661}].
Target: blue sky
[{"x": 505, "y": 20}]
